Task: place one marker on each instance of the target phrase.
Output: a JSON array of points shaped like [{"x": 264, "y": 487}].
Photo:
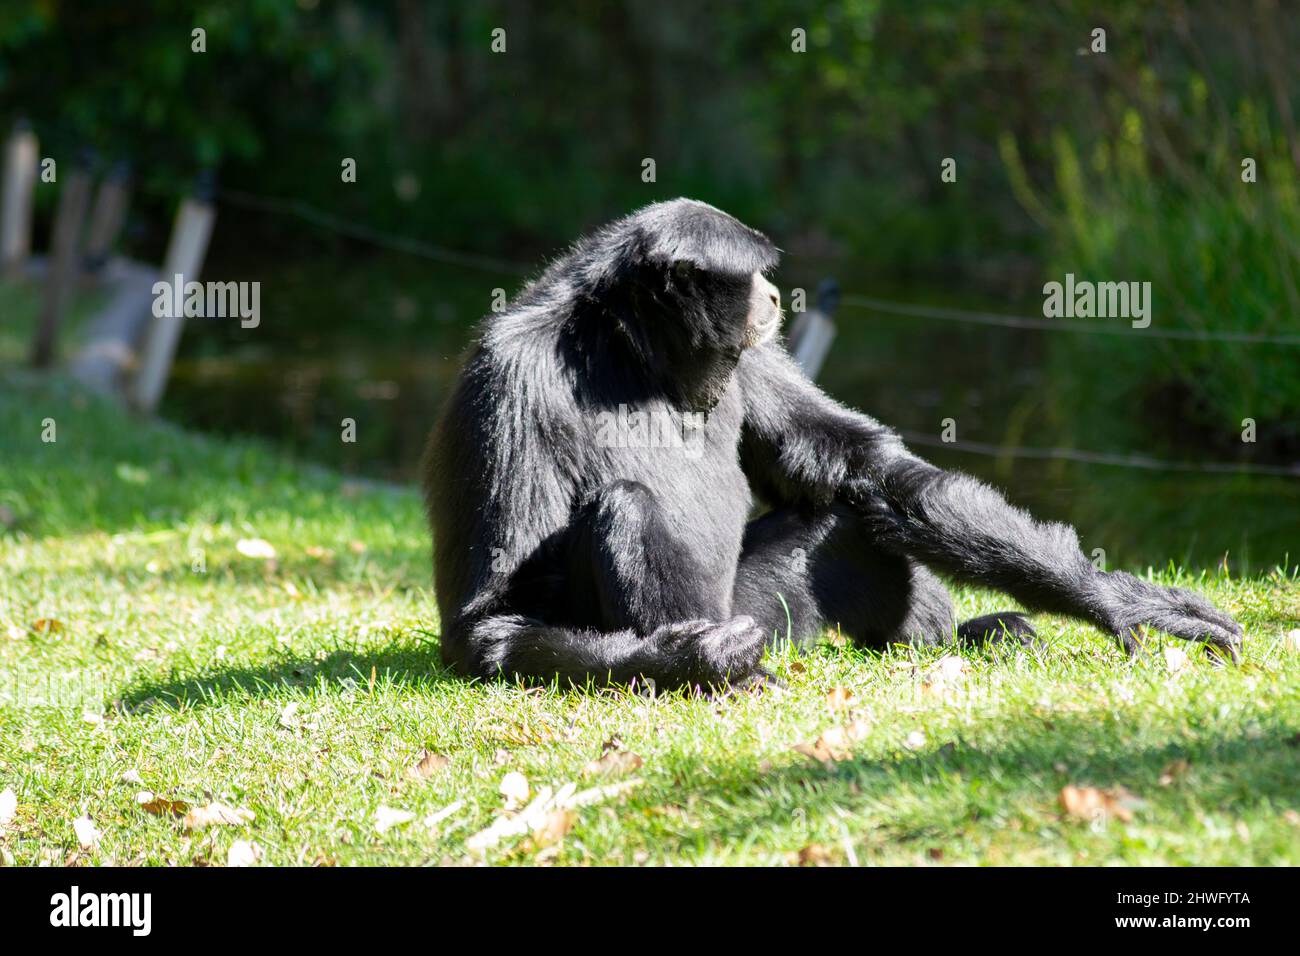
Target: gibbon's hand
[{"x": 1130, "y": 603}]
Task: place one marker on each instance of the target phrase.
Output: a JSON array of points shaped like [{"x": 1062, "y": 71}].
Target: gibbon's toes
[
  {"x": 732, "y": 649},
  {"x": 993, "y": 628},
  {"x": 1222, "y": 643},
  {"x": 1200, "y": 621},
  {"x": 1130, "y": 642},
  {"x": 758, "y": 682}
]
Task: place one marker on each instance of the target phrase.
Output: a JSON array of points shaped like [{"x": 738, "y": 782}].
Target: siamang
[{"x": 591, "y": 479}]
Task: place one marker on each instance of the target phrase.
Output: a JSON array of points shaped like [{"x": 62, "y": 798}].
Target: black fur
[{"x": 565, "y": 548}]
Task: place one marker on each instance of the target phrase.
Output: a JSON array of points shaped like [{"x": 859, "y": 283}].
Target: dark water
[{"x": 378, "y": 340}]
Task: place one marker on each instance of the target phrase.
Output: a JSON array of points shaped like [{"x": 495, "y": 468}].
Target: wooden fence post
[
  {"x": 63, "y": 262},
  {"x": 812, "y": 332},
  {"x": 16, "y": 198},
  {"x": 183, "y": 262},
  {"x": 107, "y": 216}
]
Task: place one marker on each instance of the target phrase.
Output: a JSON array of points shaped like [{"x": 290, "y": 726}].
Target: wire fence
[
  {"x": 444, "y": 254},
  {"x": 1101, "y": 458},
  {"x": 449, "y": 256},
  {"x": 362, "y": 233},
  {"x": 1060, "y": 325}
]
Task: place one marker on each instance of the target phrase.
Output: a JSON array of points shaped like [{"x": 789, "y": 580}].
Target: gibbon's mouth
[
  {"x": 756, "y": 333},
  {"x": 765, "y": 314}
]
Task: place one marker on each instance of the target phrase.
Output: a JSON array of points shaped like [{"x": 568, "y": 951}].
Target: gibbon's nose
[
  {"x": 768, "y": 290},
  {"x": 764, "y": 312}
]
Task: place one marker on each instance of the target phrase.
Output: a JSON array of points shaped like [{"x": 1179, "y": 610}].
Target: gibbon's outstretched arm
[{"x": 801, "y": 447}]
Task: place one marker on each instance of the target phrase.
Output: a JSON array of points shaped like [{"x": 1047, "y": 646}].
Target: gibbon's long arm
[{"x": 801, "y": 447}]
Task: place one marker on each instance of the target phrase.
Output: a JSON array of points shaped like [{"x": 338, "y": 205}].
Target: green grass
[{"x": 188, "y": 678}]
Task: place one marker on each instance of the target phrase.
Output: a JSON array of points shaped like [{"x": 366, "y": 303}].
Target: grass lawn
[{"x": 142, "y": 649}]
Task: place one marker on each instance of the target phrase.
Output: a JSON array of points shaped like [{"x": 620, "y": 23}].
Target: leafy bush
[{"x": 1221, "y": 255}]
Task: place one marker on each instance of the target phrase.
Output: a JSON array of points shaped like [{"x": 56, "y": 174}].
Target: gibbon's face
[
  {"x": 726, "y": 313},
  {"x": 713, "y": 318},
  {"x": 764, "y": 316}
]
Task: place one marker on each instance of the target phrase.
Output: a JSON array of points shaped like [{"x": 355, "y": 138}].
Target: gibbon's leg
[
  {"x": 642, "y": 607},
  {"x": 800, "y": 575}
]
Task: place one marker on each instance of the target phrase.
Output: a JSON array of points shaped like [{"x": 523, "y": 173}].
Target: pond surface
[{"x": 378, "y": 338}]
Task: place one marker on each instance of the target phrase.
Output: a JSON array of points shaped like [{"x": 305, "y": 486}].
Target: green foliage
[
  {"x": 1122, "y": 165},
  {"x": 1221, "y": 256}
]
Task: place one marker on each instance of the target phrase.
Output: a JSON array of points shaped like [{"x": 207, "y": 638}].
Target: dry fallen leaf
[
  {"x": 585, "y": 798},
  {"x": 835, "y": 743},
  {"x": 217, "y": 814},
  {"x": 428, "y": 764},
  {"x": 514, "y": 789},
  {"x": 839, "y": 699},
  {"x": 520, "y": 823},
  {"x": 814, "y": 854},
  {"x": 47, "y": 625},
  {"x": 553, "y": 827},
  {"x": 1091, "y": 803},
  {"x": 160, "y": 806},
  {"x": 86, "y": 833},
  {"x": 527, "y": 732},
  {"x": 243, "y": 853},
  {"x": 388, "y": 817},
  {"x": 536, "y": 816},
  {"x": 289, "y": 716},
  {"x": 255, "y": 548},
  {"x": 8, "y": 806},
  {"x": 433, "y": 819},
  {"x": 943, "y": 680},
  {"x": 951, "y": 668},
  {"x": 797, "y": 667},
  {"x": 613, "y": 760},
  {"x": 1176, "y": 660},
  {"x": 820, "y": 750}
]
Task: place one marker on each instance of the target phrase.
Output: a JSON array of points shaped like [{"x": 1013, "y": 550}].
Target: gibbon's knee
[{"x": 643, "y": 576}]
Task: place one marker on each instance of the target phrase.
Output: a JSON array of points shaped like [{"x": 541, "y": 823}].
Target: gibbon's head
[{"x": 684, "y": 284}]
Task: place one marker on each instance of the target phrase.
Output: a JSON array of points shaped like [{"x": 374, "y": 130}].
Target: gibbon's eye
[{"x": 683, "y": 270}]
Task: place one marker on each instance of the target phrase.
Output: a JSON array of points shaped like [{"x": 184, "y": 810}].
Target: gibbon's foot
[
  {"x": 759, "y": 682},
  {"x": 707, "y": 654},
  {"x": 996, "y": 628}
]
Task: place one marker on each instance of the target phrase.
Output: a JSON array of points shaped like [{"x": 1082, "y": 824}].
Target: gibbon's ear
[{"x": 682, "y": 274}]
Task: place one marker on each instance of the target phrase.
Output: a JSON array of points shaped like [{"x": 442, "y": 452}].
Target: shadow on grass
[
  {"x": 956, "y": 792},
  {"x": 930, "y": 798},
  {"x": 411, "y": 663}
]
